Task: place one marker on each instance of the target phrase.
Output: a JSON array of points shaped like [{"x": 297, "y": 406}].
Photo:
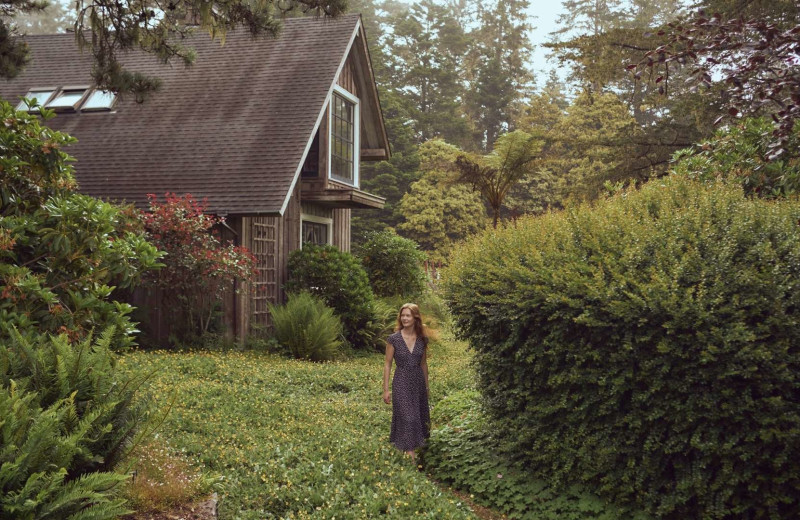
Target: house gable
[{"x": 356, "y": 77}]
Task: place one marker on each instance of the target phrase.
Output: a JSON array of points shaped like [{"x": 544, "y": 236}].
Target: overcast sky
[{"x": 546, "y": 13}]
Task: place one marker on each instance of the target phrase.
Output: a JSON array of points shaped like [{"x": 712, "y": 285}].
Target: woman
[{"x": 409, "y": 396}]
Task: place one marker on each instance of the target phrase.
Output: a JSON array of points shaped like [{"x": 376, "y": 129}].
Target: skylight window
[
  {"x": 40, "y": 97},
  {"x": 99, "y": 100},
  {"x": 67, "y": 99}
]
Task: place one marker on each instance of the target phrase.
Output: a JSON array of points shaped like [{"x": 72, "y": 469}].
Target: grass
[{"x": 293, "y": 439}]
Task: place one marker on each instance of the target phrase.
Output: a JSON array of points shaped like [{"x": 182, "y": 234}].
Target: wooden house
[{"x": 270, "y": 131}]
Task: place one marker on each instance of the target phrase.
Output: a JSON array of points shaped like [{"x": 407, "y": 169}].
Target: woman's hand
[{"x": 387, "y": 397}]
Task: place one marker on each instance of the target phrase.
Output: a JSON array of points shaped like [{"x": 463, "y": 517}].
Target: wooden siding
[
  {"x": 316, "y": 210},
  {"x": 290, "y": 238},
  {"x": 324, "y": 144},
  {"x": 347, "y": 78},
  {"x": 341, "y": 228}
]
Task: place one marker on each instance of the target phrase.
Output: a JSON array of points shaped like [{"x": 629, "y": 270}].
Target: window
[
  {"x": 99, "y": 100},
  {"x": 344, "y": 123},
  {"x": 315, "y": 230},
  {"x": 67, "y": 99},
  {"x": 40, "y": 97}
]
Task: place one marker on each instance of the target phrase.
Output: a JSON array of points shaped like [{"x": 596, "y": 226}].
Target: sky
[{"x": 546, "y": 13}]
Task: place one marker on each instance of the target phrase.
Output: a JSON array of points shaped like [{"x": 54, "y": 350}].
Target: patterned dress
[{"x": 410, "y": 413}]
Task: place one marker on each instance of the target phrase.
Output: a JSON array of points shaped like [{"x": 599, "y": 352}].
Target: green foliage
[
  {"x": 437, "y": 212},
  {"x": 198, "y": 267},
  {"x": 646, "y": 347},
  {"x": 393, "y": 264},
  {"x": 340, "y": 280},
  {"x": 61, "y": 254},
  {"x": 741, "y": 151},
  {"x": 428, "y": 46},
  {"x": 293, "y": 439},
  {"x": 463, "y": 451},
  {"x": 495, "y": 174},
  {"x": 68, "y": 419},
  {"x": 589, "y": 146},
  {"x": 307, "y": 327}
]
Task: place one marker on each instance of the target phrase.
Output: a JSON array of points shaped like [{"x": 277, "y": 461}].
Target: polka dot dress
[{"x": 410, "y": 413}]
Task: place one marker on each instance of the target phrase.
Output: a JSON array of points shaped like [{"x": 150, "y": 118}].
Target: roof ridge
[{"x": 286, "y": 21}]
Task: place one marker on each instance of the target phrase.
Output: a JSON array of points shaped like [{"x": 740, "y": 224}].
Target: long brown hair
[{"x": 419, "y": 329}]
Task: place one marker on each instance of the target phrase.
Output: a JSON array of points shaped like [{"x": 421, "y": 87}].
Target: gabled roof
[{"x": 233, "y": 127}]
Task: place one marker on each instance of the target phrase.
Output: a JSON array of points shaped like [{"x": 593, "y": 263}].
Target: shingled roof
[{"x": 232, "y": 128}]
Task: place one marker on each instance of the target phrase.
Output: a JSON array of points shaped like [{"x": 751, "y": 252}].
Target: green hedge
[
  {"x": 339, "y": 279},
  {"x": 393, "y": 264},
  {"x": 464, "y": 451},
  {"x": 646, "y": 346}
]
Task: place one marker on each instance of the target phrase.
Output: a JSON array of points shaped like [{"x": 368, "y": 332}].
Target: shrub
[
  {"x": 646, "y": 346},
  {"x": 393, "y": 264},
  {"x": 340, "y": 280},
  {"x": 307, "y": 327},
  {"x": 67, "y": 421},
  {"x": 740, "y": 151},
  {"x": 464, "y": 452},
  {"x": 198, "y": 268},
  {"x": 61, "y": 254}
]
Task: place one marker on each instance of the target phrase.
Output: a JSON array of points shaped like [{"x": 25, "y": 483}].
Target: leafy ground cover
[{"x": 293, "y": 439}]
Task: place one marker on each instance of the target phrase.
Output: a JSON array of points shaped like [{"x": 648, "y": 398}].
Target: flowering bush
[{"x": 198, "y": 267}]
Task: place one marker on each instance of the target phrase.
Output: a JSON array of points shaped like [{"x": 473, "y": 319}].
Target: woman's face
[{"x": 406, "y": 318}]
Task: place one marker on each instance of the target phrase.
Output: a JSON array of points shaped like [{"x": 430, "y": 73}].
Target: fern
[
  {"x": 307, "y": 327},
  {"x": 66, "y": 421}
]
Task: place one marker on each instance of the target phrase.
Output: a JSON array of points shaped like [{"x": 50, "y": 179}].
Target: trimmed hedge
[
  {"x": 646, "y": 346},
  {"x": 464, "y": 451}
]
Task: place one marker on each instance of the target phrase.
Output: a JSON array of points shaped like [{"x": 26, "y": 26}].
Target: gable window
[
  {"x": 344, "y": 145},
  {"x": 99, "y": 100},
  {"x": 315, "y": 230},
  {"x": 38, "y": 96},
  {"x": 67, "y": 99}
]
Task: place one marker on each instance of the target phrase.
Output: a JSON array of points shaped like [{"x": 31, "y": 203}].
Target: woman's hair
[{"x": 418, "y": 327}]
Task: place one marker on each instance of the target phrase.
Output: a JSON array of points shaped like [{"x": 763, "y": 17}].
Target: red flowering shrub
[{"x": 198, "y": 267}]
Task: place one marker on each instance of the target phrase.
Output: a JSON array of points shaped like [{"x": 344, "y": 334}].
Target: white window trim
[
  {"x": 319, "y": 220},
  {"x": 356, "y": 138},
  {"x": 21, "y": 105}
]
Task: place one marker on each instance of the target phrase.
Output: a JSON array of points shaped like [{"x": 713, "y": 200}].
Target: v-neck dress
[{"x": 410, "y": 413}]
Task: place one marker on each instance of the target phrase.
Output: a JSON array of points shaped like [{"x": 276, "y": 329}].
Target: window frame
[
  {"x": 92, "y": 92},
  {"x": 327, "y": 221},
  {"x": 347, "y": 96},
  {"x": 53, "y": 91},
  {"x": 68, "y": 108}
]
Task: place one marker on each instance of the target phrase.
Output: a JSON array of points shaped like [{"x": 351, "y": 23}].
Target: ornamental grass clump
[
  {"x": 646, "y": 346},
  {"x": 307, "y": 327}
]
